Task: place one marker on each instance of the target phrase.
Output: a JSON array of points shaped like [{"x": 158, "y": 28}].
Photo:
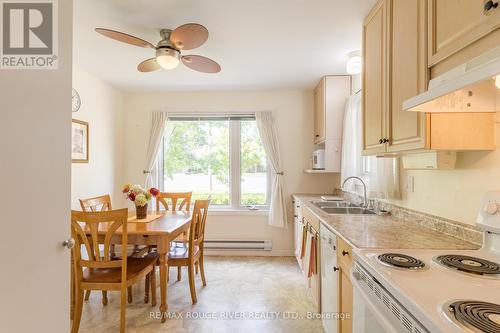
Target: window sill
[{"x": 236, "y": 212}]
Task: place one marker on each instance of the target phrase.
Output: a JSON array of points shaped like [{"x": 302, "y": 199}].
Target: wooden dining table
[{"x": 159, "y": 232}]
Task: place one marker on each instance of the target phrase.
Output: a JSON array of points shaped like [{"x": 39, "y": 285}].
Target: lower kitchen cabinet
[
  {"x": 344, "y": 255},
  {"x": 309, "y": 254},
  {"x": 298, "y": 226}
]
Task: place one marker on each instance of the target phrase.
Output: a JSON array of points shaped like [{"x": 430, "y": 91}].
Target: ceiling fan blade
[
  {"x": 125, "y": 38},
  {"x": 149, "y": 65},
  {"x": 201, "y": 64},
  {"x": 189, "y": 36}
]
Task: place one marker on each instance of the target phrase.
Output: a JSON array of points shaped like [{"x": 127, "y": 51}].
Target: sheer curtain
[
  {"x": 159, "y": 121},
  {"x": 351, "y": 142},
  {"x": 381, "y": 174},
  {"x": 269, "y": 137}
]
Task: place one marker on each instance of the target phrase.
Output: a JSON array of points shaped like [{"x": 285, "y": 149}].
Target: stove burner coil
[
  {"x": 401, "y": 260},
  {"x": 481, "y": 316},
  {"x": 469, "y": 264}
]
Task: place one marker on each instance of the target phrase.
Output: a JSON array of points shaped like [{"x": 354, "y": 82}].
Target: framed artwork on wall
[{"x": 79, "y": 141}]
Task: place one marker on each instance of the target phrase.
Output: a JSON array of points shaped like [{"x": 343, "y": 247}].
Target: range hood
[{"x": 470, "y": 87}]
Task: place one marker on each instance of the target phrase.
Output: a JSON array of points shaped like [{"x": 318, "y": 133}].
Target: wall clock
[{"x": 76, "y": 102}]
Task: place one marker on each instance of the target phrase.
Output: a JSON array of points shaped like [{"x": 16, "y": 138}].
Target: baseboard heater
[{"x": 245, "y": 245}]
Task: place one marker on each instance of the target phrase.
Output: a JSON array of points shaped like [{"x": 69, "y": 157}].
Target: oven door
[
  {"x": 367, "y": 318},
  {"x": 375, "y": 310}
]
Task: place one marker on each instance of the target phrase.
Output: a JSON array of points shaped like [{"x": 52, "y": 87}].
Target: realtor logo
[{"x": 28, "y": 34}]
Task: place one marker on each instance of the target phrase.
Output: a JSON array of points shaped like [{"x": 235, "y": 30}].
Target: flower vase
[{"x": 141, "y": 212}]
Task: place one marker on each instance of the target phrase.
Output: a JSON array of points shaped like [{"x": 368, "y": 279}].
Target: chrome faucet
[{"x": 365, "y": 205}]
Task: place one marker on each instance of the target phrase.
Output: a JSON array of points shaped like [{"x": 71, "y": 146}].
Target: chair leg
[
  {"x": 104, "y": 297},
  {"x": 78, "y": 311},
  {"x": 179, "y": 273},
  {"x": 129, "y": 294},
  {"x": 87, "y": 295},
  {"x": 192, "y": 287},
  {"x": 123, "y": 305},
  {"x": 146, "y": 289},
  {"x": 202, "y": 269},
  {"x": 153, "y": 287}
]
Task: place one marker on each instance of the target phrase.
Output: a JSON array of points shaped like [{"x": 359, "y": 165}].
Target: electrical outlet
[{"x": 409, "y": 184}]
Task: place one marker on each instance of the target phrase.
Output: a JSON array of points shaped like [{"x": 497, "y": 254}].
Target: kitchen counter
[{"x": 373, "y": 231}]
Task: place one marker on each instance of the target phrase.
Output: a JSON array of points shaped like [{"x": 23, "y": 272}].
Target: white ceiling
[{"x": 260, "y": 44}]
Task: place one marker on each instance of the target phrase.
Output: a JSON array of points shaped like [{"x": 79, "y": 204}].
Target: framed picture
[{"x": 79, "y": 141}]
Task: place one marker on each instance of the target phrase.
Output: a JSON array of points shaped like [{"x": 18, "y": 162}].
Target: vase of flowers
[{"x": 140, "y": 197}]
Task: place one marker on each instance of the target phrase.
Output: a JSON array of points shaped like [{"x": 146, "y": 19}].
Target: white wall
[
  {"x": 455, "y": 194},
  {"x": 102, "y": 108},
  {"x": 293, "y": 111}
]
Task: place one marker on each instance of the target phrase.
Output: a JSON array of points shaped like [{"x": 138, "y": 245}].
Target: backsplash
[{"x": 452, "y": 228}]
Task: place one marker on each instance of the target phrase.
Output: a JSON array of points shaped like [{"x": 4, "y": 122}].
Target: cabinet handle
[
  {"x": 380, "y": 141},
  {"x": 386, "y": 140},
  {"x": 489, "y": 5},
  {"x": 344, "y": 253},
  {"x": 295, "y": 216},
  {"x": 317, "y": 135},
  {"x": 335, "y": 269}
]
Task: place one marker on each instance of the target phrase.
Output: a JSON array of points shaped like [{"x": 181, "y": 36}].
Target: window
[{"x": 221, "y": 158}]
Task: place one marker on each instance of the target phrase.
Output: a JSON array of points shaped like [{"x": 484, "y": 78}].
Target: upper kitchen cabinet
[
  {"x": 408, "y": 73},
  {"x": 374, "y": 79},
  {"x": 456, "y": 24},
  {"x": 319, "y": 112},
  {"x": 395, "y": 41},
  {"x": 330, "y": 96},
  {"x": 329, "y": 100}
]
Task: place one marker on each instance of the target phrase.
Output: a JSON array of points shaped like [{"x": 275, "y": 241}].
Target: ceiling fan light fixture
[{"x": 167, "y": 58}]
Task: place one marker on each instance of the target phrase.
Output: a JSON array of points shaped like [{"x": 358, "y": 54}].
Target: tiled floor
[{"x": 236, "y": 286}]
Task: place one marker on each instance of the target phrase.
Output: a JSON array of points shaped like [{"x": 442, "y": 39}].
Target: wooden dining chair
[
  {"x": 192, "y": 254},
  {"x": 175, "y": 201},
  {"x": 100, "y": 271},
  {"x": 178, "y": 201},
  {"x": 98, "y": 204}
]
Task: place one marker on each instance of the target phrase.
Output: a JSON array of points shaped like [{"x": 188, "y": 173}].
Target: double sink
[{"x": 341, "y": 207}]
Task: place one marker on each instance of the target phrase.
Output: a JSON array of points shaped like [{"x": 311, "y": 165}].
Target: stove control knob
[{"x": 491, "y": 208}]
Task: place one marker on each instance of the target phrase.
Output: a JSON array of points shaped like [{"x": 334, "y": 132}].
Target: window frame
[{"x": 235, "y": 175}]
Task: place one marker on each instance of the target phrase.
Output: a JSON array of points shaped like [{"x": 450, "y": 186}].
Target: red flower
[
  {"x": 131, "y": 196},
  {"x": 126, "y": 189},
  {"x": 154, "y": 191}
]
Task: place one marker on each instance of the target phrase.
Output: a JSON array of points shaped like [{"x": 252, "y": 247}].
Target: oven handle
[{"x": 381, "y": 317}]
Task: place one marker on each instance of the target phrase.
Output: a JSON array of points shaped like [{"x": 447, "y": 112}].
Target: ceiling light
[
  {"x": 354, "y": 62},
  {"x": 167, "y": 58}
]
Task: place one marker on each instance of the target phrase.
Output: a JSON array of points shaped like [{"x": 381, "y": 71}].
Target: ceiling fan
[{"x": 168, "y": 50}]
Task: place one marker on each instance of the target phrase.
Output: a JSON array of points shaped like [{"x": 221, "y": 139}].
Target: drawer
[
  {"x": 311, "y": 218},
  {"x": 344, "y": 254}
]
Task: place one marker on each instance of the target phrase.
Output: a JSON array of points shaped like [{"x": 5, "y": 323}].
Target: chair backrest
[
  {"x": 198, "y": 221},
  {"x": 84, "y": 230},
  {"x": 96, "y": 204},
  {"x": 174, "y": 197}
]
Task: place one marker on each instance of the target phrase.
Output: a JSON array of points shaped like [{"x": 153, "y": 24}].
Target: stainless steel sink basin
[
  {"x": 347, "y": 210},
  {"x": 334, "y": 204}
]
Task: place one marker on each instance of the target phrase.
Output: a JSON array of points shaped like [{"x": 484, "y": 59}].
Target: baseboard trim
[{"x": 239, "y": 253}]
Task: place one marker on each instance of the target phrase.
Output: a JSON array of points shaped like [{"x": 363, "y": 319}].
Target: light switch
[{"x": 409, "y": 184}]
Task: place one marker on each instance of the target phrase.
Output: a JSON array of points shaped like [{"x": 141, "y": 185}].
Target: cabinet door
[
  {"x": 345, "y": 301},
  {"x": 409, "y": 73},
  {"x": 374, "y": 79},
  {"x": 319, "y": 112},
  {"x": 454, "y": 24}
]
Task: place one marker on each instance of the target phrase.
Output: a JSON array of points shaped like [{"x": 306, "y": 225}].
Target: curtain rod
[{"x": 210, "y": 116}]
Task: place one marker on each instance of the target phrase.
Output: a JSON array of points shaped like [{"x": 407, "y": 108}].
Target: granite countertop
[{"x": 373, "y": 231}]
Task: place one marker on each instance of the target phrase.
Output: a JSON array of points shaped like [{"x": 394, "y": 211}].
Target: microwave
[{"x": 318, "y": 159}]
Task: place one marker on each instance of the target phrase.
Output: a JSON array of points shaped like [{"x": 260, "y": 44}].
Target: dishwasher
[{"x": 329, "y": 280}]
